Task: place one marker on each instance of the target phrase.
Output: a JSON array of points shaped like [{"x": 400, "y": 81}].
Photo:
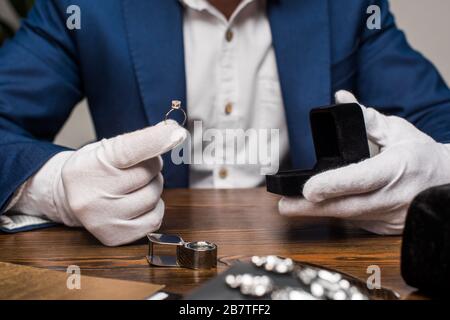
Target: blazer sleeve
[
  {"x": 396, "y": 79},
  {"x": 39, "y": 86}
]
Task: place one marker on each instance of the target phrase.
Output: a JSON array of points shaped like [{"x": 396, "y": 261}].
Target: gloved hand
[
  {"x": 113, "y": 187},
  {"x": 375, "y": 193}
]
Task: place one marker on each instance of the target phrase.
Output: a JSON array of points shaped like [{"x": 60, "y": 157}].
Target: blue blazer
[{"x": 128, "y": 61}]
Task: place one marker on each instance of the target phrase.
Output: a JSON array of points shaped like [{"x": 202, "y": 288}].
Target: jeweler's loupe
[{"x": 192, "y": 255}]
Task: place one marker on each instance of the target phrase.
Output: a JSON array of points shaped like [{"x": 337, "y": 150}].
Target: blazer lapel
[
  {"x": 301, "y": 39},
  {"x": 155, "y": 34}
]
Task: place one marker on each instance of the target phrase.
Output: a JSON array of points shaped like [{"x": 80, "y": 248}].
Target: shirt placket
[
  {"x": 226, "y": 101},
  {"x": 227, "y": 98}
]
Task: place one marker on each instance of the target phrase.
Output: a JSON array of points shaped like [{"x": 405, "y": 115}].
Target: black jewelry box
[{"x": 339, "y": 136}]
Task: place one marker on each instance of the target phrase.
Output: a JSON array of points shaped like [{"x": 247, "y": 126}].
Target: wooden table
[{"x": 240, "y": 222}]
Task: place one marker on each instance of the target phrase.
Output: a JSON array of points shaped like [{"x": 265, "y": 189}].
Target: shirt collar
[
  {"x": 202, "y": 5},
  {"x": 196, "y": 4}
]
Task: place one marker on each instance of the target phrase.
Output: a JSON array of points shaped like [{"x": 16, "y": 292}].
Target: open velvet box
[{"x": 339, "y": 136}]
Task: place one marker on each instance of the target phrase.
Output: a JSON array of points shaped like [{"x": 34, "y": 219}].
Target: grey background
[{"x": 425, "y": 22}]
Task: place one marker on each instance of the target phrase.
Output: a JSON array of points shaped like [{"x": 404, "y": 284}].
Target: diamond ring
[{"x": 176, "y": 105}]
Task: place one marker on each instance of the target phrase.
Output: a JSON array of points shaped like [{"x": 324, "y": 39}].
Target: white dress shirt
[{"x": 232, "y": 83}]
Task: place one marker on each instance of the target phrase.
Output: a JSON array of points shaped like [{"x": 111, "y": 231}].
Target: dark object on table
[
  {"x": 425, "y": 262},
  {"x": 339, "y": 136}
]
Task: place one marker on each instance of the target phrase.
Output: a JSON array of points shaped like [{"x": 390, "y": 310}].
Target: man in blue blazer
[{"x": 130, "y": 58}]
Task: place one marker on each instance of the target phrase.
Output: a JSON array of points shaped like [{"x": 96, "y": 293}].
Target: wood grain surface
[
  {"x": 19, "y": 282},
  {"x": 240, "y": 222}
]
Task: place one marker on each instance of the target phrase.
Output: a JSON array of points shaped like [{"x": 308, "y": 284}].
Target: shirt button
[
  {"x": 223, "y": 173},
  {"x": 228, "y": 108},
  {"x": 229, "y": 35}
]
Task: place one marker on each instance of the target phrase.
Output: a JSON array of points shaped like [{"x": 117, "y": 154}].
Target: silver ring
[{"x": 176, "y": 105}]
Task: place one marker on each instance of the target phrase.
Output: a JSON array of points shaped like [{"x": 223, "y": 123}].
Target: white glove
[
  {"x": 375, "y": 193},
  {"x": 113, "y": 187}
]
